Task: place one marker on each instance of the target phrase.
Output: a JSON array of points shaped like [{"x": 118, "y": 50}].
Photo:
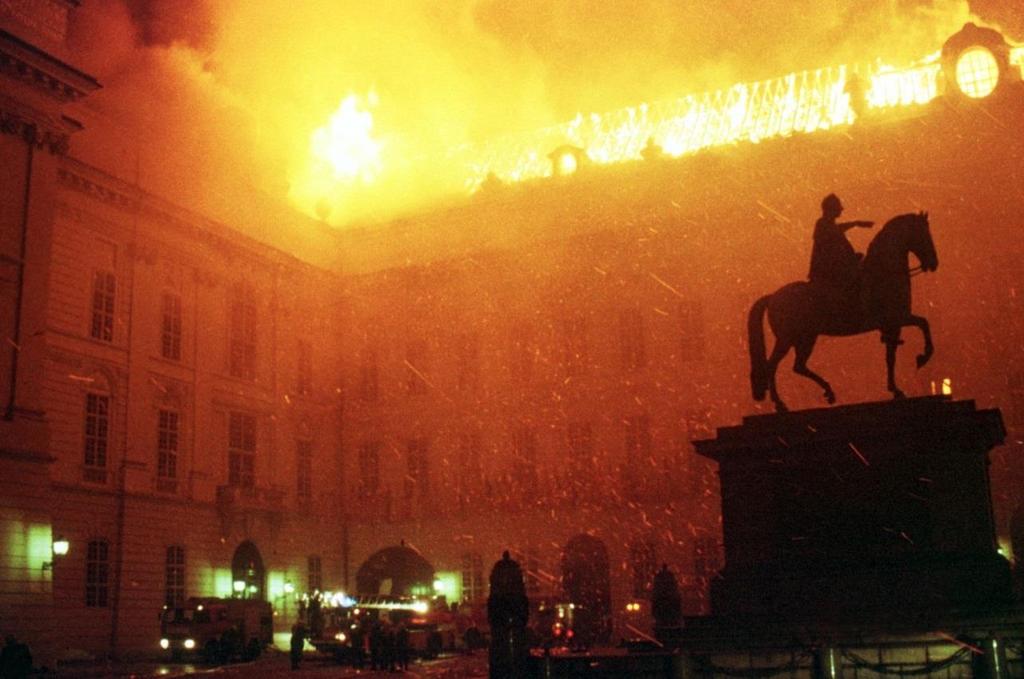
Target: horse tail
[{"x": 758, "y": 356}]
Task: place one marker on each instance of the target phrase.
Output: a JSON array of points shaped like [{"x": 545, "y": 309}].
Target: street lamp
[{"x": 59, "y": 547}]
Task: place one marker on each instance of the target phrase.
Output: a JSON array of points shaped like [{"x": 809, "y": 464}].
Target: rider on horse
[{"x": 835, "y": 265}]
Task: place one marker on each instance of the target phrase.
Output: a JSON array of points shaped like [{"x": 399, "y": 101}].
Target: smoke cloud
[{"x": 212, "y": 103}]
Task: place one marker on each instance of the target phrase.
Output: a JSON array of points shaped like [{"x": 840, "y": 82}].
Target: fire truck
[
  {"x": 341, "y": 626},
  {"x": 217, "y": 630}
]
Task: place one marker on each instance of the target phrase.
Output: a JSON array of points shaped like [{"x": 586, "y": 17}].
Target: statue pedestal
[{"x": 842, "y": 513}]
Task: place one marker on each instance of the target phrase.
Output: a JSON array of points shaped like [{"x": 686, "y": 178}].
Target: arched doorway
[
  {"x": 587, "y": 582},
  {"x": 248, "y": 576},
  {"x": 398, "y": 570}
]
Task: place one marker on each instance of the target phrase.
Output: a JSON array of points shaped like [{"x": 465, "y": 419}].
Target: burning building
[{"x": 193, "y": 412}]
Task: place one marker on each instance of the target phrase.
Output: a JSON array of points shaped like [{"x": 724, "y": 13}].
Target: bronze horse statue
[{"x": 799, "y": 312}]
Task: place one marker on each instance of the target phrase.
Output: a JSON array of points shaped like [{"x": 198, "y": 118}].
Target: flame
[
  {"x": 1017, "y": 58},
  {"x": 342, "y": 153},
  {"x": 805, "y": 101}
]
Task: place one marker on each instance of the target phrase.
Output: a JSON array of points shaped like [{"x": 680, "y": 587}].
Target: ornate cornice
[
  {"x": 41, "y": 133},
  {"x": 28, "y": 64}
]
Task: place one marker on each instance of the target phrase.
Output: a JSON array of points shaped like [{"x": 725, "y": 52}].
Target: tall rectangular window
[
  {"x": 174, "y": 577},
  {"x": 304, "y": 376},
  {"x": 304, "y": 469},
  {"x": 314, "y": 570},
  {"x": 103, "y": 287},
  {"x": 473, "y": 584},
  {"x": 631, "y": 336},
  {"x": 468, "y": 368},
  {"x": 97, "y": 574},
  {"x": 242, "y": 360},
  {"x": 369, "y": 468},
  {"x": 242, "y": 450},
  {"x": 97, "y": 436},
  {"x": 167, "y": 445},
  {"x": 368, "y": 374},
  {"x": 417, "y": 478},
  {"x": 170, "y": 326}
]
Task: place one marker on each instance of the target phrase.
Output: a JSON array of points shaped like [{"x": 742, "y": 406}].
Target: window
[
  {"x": 473, "y": 584},
  {"x": 368, "y": 375},
  {"x": 97, "y": 436},
  {"x": 416, "y": 363},
  {"x": 369, "y": 468},
  {"x": 242, "y": 360},
  {"x": 174, "y": 577},
  {"x": 241, "y": 450},
  {"x": 170, "y": 326},
  {"x": 304, "y": 377},
  {"x": 304, "y": 469},
  {"x": 167, "y": 445},
  {"x": 97, "y": 574},
  {"x": 103, "y": 286},
  {"x": 314, "y": 571},
  {"x": 468, "y": 368},
  {"x": 575, "y": 345},
  {"x": 417, "y": 479},
  {"x": 643, "y": 559},
  {"x": 631, "y": 335},
  {"x": 691, "y": 328}
]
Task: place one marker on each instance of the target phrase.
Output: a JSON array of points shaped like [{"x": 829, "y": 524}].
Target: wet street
[{"x": 276, "y": 664}]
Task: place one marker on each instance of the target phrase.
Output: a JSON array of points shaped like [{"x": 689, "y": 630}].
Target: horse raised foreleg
[
  {"x": 922, "y": 323},
  {"x": 891, "y": 338},
  {"x": 779, "y": 352},
  {"x": 804, "y": 347}
]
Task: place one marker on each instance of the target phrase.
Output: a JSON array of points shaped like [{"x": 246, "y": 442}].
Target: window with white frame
[
  {"x": 167, "y": 444},
  {"x": 104, "y": 285},
  {"x": 170, "y": 326},
  {"x": 97, "y": 436},
  {"x": 242, "y": 450},
  {"x": 242, "y": 320}
]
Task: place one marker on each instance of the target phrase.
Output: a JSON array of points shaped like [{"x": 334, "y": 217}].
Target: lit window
[
  {"x": 97, "y": 574},
  {"x": 103, "y": 286},
  {"x": 977, "y": 72},
  {"x": 473, "y": 583}
]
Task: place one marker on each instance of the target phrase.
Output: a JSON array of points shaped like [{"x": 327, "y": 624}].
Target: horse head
[{"x": 920, "y": 242}]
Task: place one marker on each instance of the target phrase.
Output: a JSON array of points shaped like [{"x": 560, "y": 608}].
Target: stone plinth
[{"x": 836, "y": 513}]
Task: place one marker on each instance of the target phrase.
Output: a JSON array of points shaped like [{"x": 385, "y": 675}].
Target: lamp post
[{"x": 59, "y": 547}]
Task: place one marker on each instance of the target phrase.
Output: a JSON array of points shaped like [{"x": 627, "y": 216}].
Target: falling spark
[
  {"x": 666, "y": 286},
  {"x": 962, "y": 644},
  {"x": 81, "y": 378},
  {"x": 858, "y": 454}
]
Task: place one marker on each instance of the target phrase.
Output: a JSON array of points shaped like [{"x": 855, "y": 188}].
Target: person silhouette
[{"x": 835, "y": 265}]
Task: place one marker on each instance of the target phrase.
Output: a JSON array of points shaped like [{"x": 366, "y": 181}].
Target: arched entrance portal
[
  {"x": 248, "y": 577},
  {"x": 399, "y": 571},
  {"x": 587, "y": 582}
]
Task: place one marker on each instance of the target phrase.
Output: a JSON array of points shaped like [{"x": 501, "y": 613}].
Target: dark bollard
[{"x": 508, "y": 610}]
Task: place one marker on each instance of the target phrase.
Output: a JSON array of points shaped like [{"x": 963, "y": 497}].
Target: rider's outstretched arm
[{"x": 846, "y": 226}]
